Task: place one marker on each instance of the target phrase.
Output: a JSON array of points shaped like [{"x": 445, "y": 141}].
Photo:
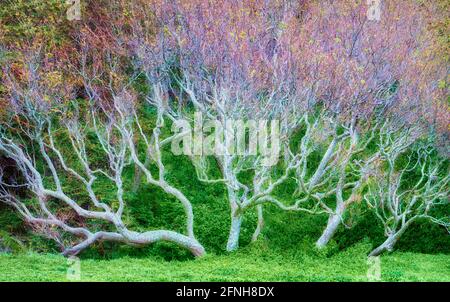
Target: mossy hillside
[
  {"x": 150, "y": 208},
  {"x": 255, "y": 263}
]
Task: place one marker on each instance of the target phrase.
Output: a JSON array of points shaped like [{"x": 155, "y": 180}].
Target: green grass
[{"x": 248, "y": 265}]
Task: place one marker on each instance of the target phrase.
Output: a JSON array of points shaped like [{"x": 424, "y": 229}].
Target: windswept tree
[
  {"x": 322, "y": 69},
  {"x": 407, "y": 185},
  {"x": 260, "y": 94},
  {"x": 43, "y": 117},
  {"x": 364, "y": 72},
  {"x": 237, "y": 74}
]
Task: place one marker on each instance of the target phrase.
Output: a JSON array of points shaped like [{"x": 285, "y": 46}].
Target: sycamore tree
[
  {"x": 239, "y": 77},
  {"x": 367, "y": 71},
  {"x": 262, "y": 96},
  {"x": 58, "y": 144},
  {"x": 323, "y": 70},
  {"x": 407, "y": 185}
]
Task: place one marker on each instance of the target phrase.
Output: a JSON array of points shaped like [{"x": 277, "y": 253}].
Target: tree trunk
[
  {"x": 390, "y": 242},
  {"x": 235, "y": 231},
  {"x": 138, "y": 173},
  {"x": 315, "y": 179},
  {"x": 388, "y": 245},
  {"x": 136, "y": 179},
  {"x": 260, "y": 224},
  {"x": 186, "y": 242},
  {"x": 334, "y": 221},
  {"x": 140, "y": 239}
]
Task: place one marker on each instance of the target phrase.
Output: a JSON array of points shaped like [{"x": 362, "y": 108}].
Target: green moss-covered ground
[{"x": 350, "y": 265}]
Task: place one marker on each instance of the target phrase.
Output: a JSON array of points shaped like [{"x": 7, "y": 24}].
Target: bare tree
[
  {"x": 241, "y": 73},
  {"x": 366, "y": 72},
  {"x": 400, "y": 194},
  {"x": 343, "y": 168},
  {"x": 262, "y": 62},
  {"x": 238, "y": 61},
  {"x": 33, "y": 140}
]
